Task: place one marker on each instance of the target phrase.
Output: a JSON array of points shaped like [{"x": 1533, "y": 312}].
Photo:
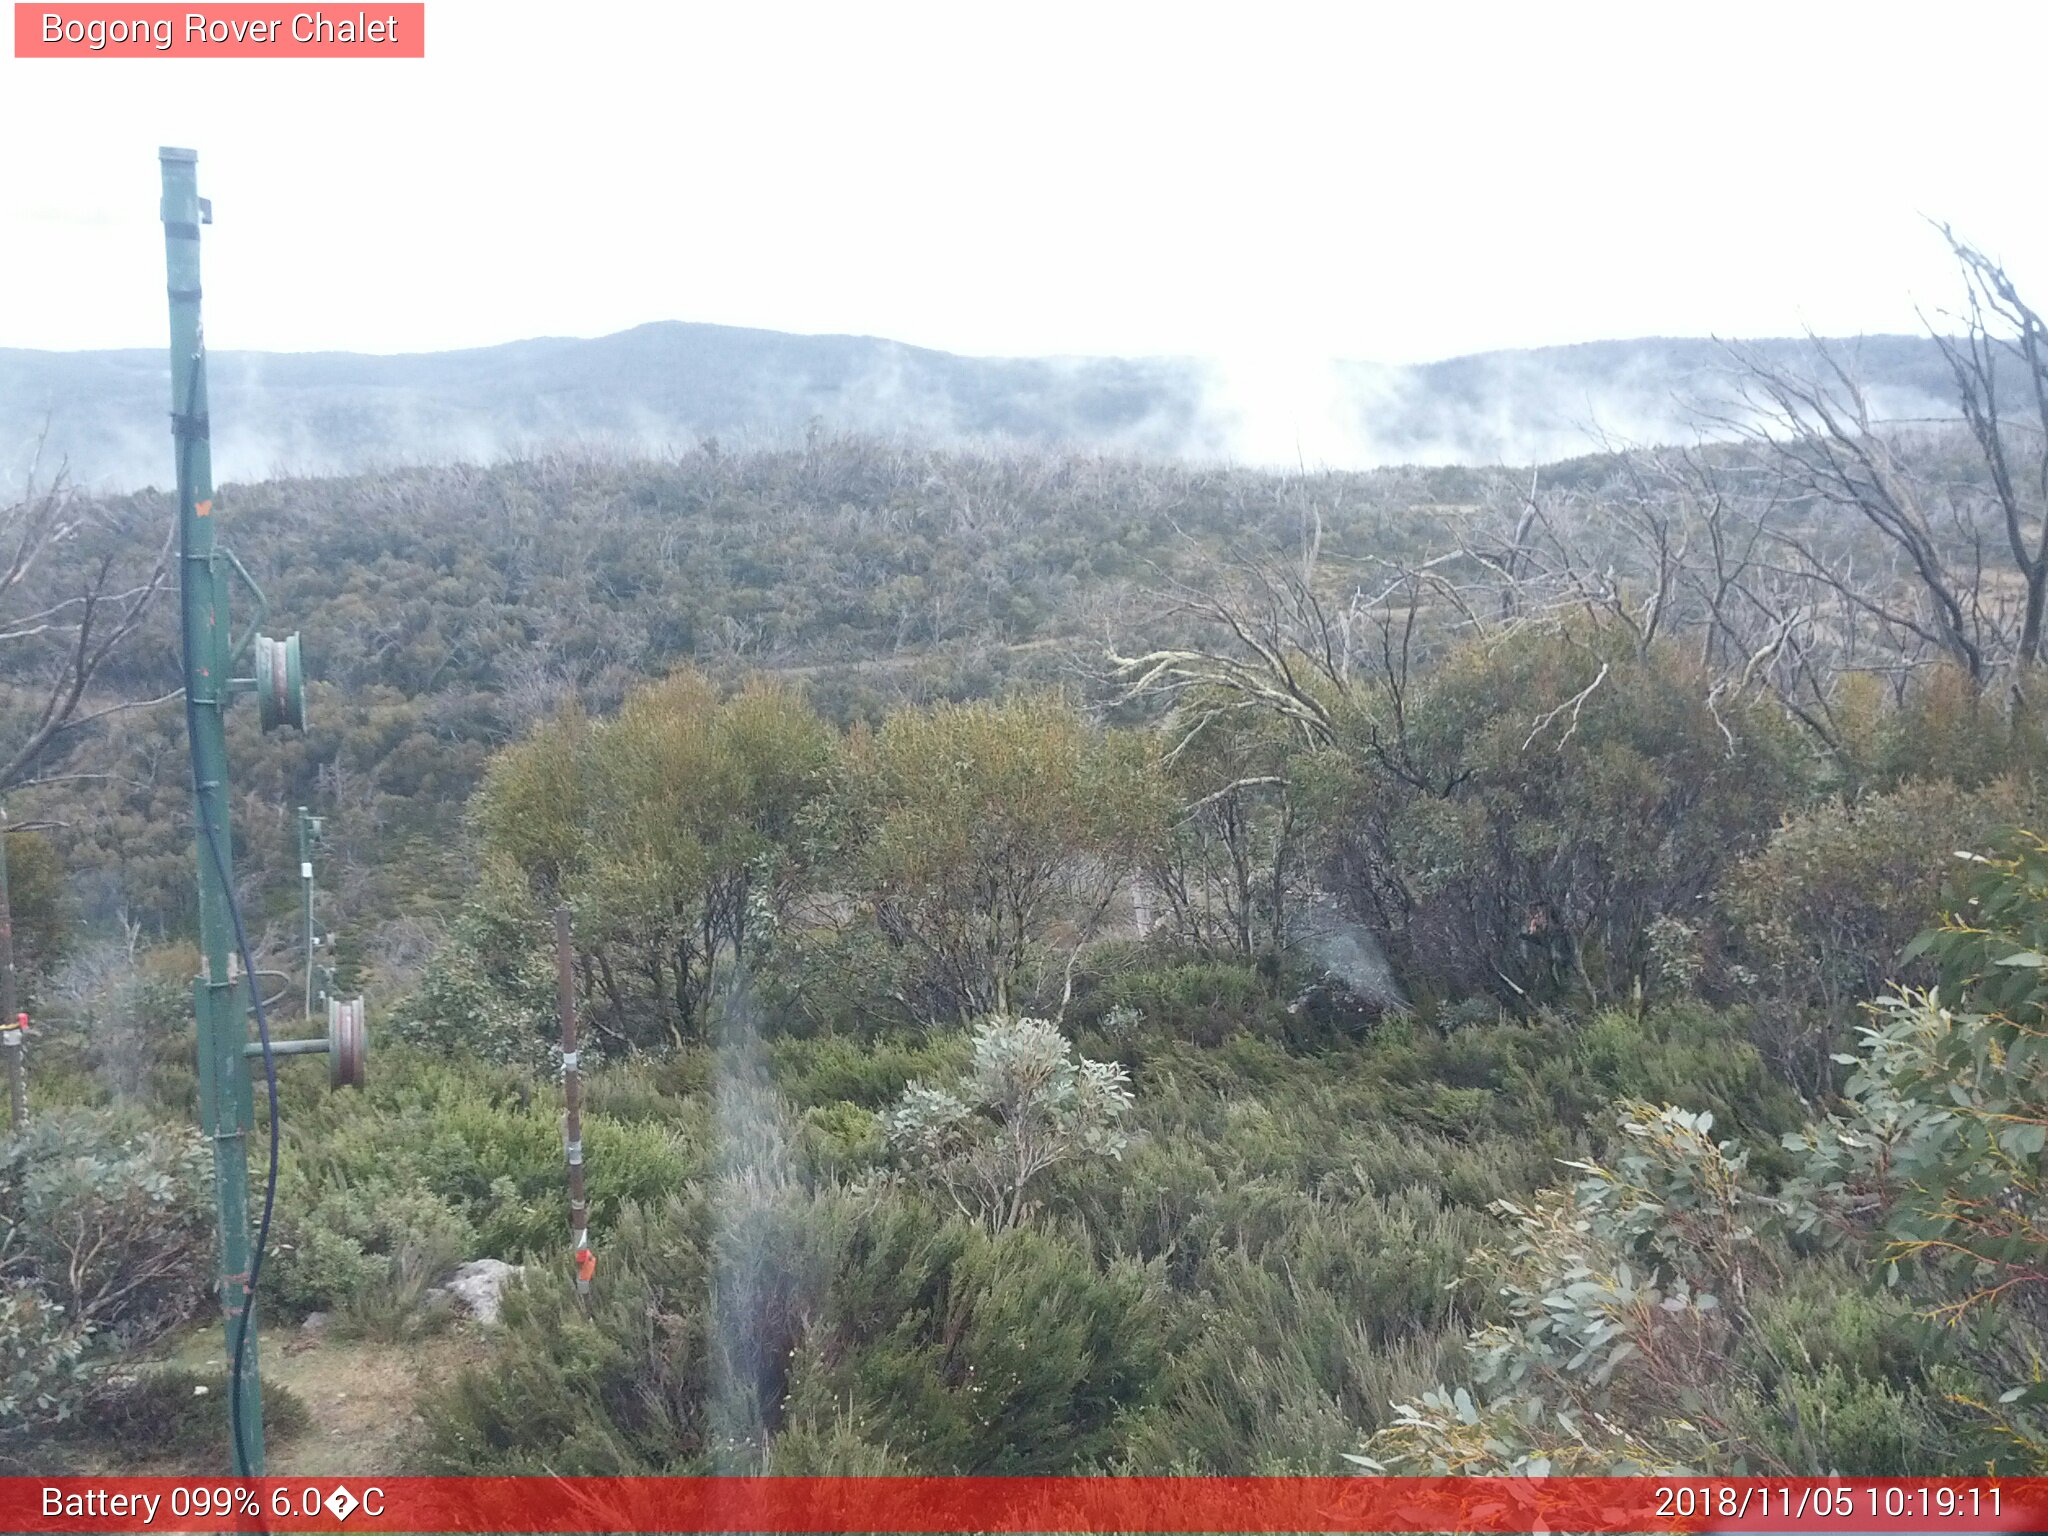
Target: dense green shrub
[
  {"x": 663, "y": 1088},
  {"x": 840, "y": 1142},
  {"x": 1934, "y": 722},
  {"x": 832, "y": 1068},
  {"x": 1283, "y": 1368},
  {"x": 361, "y": 1247},
  {"x": 44, "y": 1374},
  {"x": 1517, "y": 820},
  {"x": 1854, "y": 1375},
  {"x": 173, "y": 1414},
  {"x": 956, "y": 1350},
  {"x": 111, "y": 1216},
  {"x": 672, "y": 829},
  {"x": 105, "y": 1241},
  {"x": 1823, "y": 915},
  {"x": 485, "y": 1142},
  {"x": 1203, "y": 1002},
  {"x": 1019, "y": 1356},
  {"x": 488, "y": 993},
  {"x": 985, "y": 844},
  {"x": 1680, "y": 1053},
  {"x": 38, "y": 907},
  {"x": 1626, "y": 1296},
  {"x": 122, "y": 1019},
  {"x": 1942, "y": 1135}
]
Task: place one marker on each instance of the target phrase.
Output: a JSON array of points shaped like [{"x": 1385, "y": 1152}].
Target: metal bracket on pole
[
  {"x": 345, "y": 1045},
  {"x": 260, "y": 602}
]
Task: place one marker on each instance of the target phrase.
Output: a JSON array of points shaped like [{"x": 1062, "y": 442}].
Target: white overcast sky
[{"x": 1387, "y": 181}]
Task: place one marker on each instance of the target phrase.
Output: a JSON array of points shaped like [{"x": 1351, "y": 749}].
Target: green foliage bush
[
  {"x": 832, "y": 1068},
  {"x": 1682, "y": 1053},
  {"x": 839, "y": 1142},
  {"x": 105, "y": 1241},
  {"x": 39, "y": 908},
  {"x": 172, "y": 1414},
  {"x": 664, "y": 1089},
  {"x": 1531, "y": 863},
  {"x": 486, "y": 1144},
  {"x": 1024, "y": 1106},
  {"x": 1825, "y": 912},
  {"x": 356, "y": 1247},
  {"x": 1626, "y": 1299},
  {"x": 1673, "y": 1311},
  {"x": 44, "y": 1376},
  {"x": 672, "y": 830},
  {"x": 985, "y": 843},
  {"x": 121, "y": 1020},
  {"x": 488, "y": 993},
  {"x": 951, "y": 1349},
  {"x": 1203, "y": 1002},
  {"x": 1942, "y": 1136},
  {"x": 1937, "y": 725},
  {"x": 1289, "y": 1367},
  {"x": 111, "y": 1217},
  {"x": 1855, "y": 1372}
]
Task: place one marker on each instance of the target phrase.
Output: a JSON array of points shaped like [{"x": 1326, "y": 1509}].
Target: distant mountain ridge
[{"x": 670, "y": 384}]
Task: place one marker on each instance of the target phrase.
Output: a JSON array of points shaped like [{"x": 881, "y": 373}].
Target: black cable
[
  {"x": 220, "y": 870},
  {"x": 270, "y": 1179}
]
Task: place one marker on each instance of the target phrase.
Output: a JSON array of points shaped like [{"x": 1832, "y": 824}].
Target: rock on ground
[{"x": 477, "y": 1286}]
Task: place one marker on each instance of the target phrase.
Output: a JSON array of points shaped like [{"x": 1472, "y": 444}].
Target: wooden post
[
  {"x": 12, "y": 1044},
  {"x": 572, "y": 1099}
]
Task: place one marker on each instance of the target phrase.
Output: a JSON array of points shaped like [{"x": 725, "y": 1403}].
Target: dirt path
[{"x": 362, "y": 1398}]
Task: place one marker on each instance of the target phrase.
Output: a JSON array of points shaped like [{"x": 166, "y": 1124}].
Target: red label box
[
  {"x": 940, "y": 1506},
  {"x": 219, "y": 31}
]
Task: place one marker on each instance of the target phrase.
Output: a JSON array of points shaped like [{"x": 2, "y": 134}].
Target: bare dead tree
[
  {"x": 1823, "y": 543},
  {"x": 1819, "y": 436},
  {"x": 70, "y": 598},
  {"x": 1283, "y": 636},
  {"x": 1952, "y": 563},
  {"x": 1715, "y": 551},
  {"x": 1999, "y": 324}
]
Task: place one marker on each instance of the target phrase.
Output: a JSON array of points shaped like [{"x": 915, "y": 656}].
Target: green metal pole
[
  {"x": 306, "y": 825},
  {"x": 226, "y": 1098}
]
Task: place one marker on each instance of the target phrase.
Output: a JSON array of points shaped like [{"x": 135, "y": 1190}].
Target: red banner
[
  {"x": 222, "y": 31},
  {"x": 1050, "y": 1504}
]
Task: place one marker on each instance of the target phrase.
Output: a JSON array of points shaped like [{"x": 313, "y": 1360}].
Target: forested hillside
[
  {"x": 1096, "y": 966},
  {"x": 446, "y": 611},
  {"x": 661, "y": 388}
]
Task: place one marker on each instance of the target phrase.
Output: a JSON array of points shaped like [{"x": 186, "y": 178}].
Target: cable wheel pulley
[
  {"x": 348, "y": 1043},
  {"x": 280, "y": 684}
]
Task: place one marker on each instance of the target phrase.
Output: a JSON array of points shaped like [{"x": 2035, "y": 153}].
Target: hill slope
[{"x": 670, "y": 384}]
